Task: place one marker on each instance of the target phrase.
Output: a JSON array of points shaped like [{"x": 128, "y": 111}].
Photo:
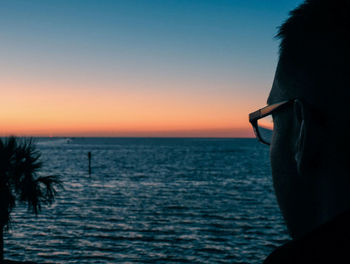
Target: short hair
[
  {"x": 315, "y": 42},
  {"x": 314, "y": 63}
]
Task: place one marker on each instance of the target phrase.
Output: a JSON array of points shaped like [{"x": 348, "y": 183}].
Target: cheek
[
  {"x": 283, "y": 169},
  {"x": 281, "y": 149},
  {"x": 280, "y": 159},
  {"x": 280, "y": 165}
]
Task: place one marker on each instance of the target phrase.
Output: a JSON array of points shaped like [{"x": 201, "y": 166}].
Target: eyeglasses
[{"x": 262, "y": 121}]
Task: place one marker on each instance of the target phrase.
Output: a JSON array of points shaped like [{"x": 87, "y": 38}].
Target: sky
[{"x": 136, "y": 68}]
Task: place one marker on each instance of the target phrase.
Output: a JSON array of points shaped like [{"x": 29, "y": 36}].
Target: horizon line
[{"x": 127, "y": 137}]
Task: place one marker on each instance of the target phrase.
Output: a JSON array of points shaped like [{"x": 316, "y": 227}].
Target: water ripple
[{"x": 153, "y": 201}]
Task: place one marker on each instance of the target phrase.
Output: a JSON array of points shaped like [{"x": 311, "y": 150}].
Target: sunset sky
[{"x": 182, "y": 68}]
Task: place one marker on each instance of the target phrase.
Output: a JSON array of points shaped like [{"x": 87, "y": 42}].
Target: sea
[{"x": 152, "y": 200}]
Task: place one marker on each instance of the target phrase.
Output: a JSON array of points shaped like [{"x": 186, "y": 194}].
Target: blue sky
[{"x": 196, "y": 50}]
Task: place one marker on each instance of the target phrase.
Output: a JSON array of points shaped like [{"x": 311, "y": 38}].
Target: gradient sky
[{"x": 136, "y": 67}]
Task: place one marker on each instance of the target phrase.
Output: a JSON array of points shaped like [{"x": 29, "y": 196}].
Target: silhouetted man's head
[{"x": 310, "y": 149}]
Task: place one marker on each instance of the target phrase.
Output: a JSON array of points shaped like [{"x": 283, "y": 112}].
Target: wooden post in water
[{"x": 89, "y": 157}]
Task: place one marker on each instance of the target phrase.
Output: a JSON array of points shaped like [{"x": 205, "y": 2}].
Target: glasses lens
[{"x": 265, "y": 127}]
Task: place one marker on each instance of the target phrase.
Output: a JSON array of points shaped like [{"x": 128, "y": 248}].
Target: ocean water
[{"x": 152, "y": 201}]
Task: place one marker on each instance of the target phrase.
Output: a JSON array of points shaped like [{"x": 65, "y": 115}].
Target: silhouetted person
[{"x": 310, "y": 143}]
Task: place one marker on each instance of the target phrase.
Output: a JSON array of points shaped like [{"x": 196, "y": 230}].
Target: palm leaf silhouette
[{"x": 20, "y": 181}]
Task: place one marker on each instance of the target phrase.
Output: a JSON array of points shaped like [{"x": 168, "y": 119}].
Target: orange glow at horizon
[{"x": 120, "y": 109}]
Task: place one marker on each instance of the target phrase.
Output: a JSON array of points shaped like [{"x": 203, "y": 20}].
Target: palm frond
[
  {"x": 8, "y": 202},
  {"x": 19, "y": 167}
]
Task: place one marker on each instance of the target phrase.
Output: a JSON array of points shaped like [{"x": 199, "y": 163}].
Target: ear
[{"x": 300, "y": 134}]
